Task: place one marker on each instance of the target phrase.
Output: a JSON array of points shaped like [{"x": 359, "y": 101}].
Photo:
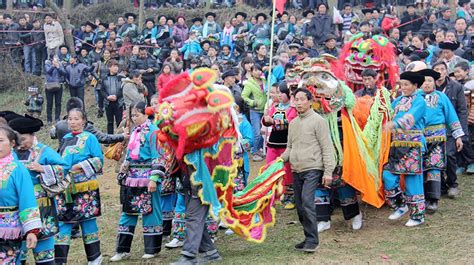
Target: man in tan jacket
[
  {"x": 53, "y": 33},
  {"x": 311, "y": 155}
]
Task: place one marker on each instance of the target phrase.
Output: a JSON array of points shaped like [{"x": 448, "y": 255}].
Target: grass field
[{"x": 447, "y": 236}]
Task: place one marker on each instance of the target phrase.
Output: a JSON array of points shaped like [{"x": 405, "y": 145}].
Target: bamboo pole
[{"x": 270, "y": 68}]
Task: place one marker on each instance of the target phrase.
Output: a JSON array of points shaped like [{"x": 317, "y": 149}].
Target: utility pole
[{"x": 453, "y": 4}]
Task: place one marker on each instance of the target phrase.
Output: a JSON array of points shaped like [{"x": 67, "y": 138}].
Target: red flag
[{"x": 280, "y": 5}]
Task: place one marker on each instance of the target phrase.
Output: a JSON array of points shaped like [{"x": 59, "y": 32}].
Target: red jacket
[
  {"x": 389, "y": 22},
  {"x": 162, "y": 80}
]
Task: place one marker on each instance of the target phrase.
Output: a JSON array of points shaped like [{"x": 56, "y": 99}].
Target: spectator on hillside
[
  {"x": 210, "y": 58},
  {"x": 133, "y": 89},
  {"x": 165, "y": 76},
  {"x": 111, "y": 90},
  {"x": 411, "y": 21},
  {"x": 462, "y": 36},
  {"x": 128, "y": 29},
  {"x": 320, "y": 25},
  {"x": 175, "y": 61},
  {"x": 330, "y": 46},
  {"x": 261, "y": 32},
  {"x": 390, "y": 20},
  {"x": 180, "y": 32},
  {"x": 464, "y": 10},
  {"x": 39, "y": 48},
  {"x": 54, "y": 35},
  {"x": 55, "y": 82},
  {"x": 76, "y": 74},
  {"x": 148, "y": 67},
  {"x": 348, "y": 17},
  {"x": 445, "y": 21},
  {"x": 29, "y": 60},
  {"x": 261, "y": 58}
]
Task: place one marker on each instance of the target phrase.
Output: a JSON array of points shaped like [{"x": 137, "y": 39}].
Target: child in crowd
[{"x": 34, "y": 102}]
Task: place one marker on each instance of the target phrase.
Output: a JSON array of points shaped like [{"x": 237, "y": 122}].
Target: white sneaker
[
  {"x": 357, "y": 222},
  {"x": 229, "y": 232},
  {"x": 322, "y": 226},
  {"x": 120, "y": 256},
  {"x": 222, "y": 225},
  {"x": 412, "y": 223},
  {"x": 257, "y": 158},
  {"x": 175, "y": 243},
  {"x": 398, "y": 213},
  {"x": 97, "y": 261},
  {"x": 148, "y": 256}
]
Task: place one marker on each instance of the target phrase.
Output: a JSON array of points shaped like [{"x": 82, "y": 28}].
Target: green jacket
[{"x": 254, "y": 96}]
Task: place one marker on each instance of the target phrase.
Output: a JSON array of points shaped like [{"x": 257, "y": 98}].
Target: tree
[
  {"x": 141, "y": 15},
  {"x": 64, "y": 19},
  {"x": 9, "y": 5}
]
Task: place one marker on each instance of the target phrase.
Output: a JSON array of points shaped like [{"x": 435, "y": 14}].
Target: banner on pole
[{"x": 280, "y": 6}]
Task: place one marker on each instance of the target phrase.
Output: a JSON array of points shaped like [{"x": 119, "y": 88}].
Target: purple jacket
[{"x": 180, "y": 35}]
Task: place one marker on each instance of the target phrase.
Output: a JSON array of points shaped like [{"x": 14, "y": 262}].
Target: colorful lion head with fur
[
  {"x": 328, "y": 92},
  {"x": 194, "y": 113},
  {"x": 367, "y": 53}
]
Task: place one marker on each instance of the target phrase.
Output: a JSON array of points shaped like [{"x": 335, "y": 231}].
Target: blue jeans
[
  {"x": 255, "y": 121},
  {"x": 30, "y": 59}
]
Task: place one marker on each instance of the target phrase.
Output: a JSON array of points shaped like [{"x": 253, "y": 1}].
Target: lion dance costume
[
  {"x": 199, "y": 128},
  {"x": 360, "y": 164}
]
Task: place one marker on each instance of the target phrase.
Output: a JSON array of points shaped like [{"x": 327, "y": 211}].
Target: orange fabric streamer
[
  {"x": 361, "y": 110},
  {"x": 355, "y": 171}
]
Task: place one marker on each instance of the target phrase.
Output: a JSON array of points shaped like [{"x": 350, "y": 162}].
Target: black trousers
[
  {"x": 113, "y": 110},
  {"x": 449, "y": 178},
  {"x": 151, "y": 87},
  {"x": 305, "y": 184},
  {"x": 55, "y": 96}
]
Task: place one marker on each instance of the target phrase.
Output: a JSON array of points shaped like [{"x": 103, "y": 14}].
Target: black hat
[
  {"x": 408, "y": 50},
  {"x": 444, "y": 9},
  {"x": 423, "y": 54},
  {"x": 26, "y": 124},
  {"x": 410, "y": 4},
  {"x": 366, "y": 10},
  {"x": 212, "y": 14},
  {"x": 105, "y": 25},
  {"x": 413, "y": 77},
  {"x": 280, "y": 15},
  {"x": 329, "y": 37},
  {"x": 243, "y": 14},
  {"x": 194, "y": 20},
  {"x": 303, "y": 50},
  {"x": 294, "y": 45},
  {"x": 414, "y": 57},
  {"x": 449, "y": 45},
  {"x": 375, "y": 9},
  {"x": 149, "y": 19},
  {"x": 92, "y": 25},
  {"x": 9, "y": 115},
  {"x": 261, "y": 15},
  {"x": 463, "y": 2},
  {"x": 230, "y": 72},
  {"x": 130, "y": 15},
  {"x": 430, "y": 72},
  {"x": 307, "y": 12}
]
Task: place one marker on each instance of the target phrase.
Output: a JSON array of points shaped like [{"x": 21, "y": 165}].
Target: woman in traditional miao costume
[
  {"x": 440, "y": 114},
  {"x": 140, "y": 190},
  {"x": 46, "y": 167},
  {"x": 279, "y": 117},
  {"x": 19, "y": 213},
  {"x": 80, "y": 203},
  {"x": 406, "y": 152}
]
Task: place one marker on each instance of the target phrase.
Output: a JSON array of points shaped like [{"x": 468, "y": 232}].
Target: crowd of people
[{"x": 125, "y": 69}]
